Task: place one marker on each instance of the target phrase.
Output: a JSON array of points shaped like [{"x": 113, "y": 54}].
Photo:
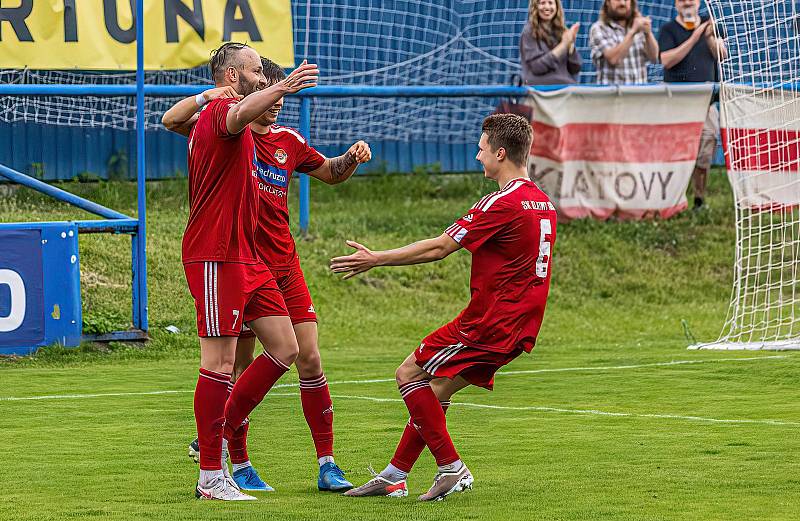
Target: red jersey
[
  {"x": 510, "y": 234},
  {"x": 222, "y": 202},
  {"x": 279, "y": 153}
]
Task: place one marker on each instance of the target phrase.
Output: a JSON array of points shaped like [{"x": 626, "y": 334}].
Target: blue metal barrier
[
  {"x": 139, "y": 241},
  {"x": 491, "y": 91},
  {"x": 51, "y": 286}
]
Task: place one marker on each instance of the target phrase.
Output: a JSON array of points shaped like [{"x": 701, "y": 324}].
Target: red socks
[
  {"x": 428, "y": 419},
  {"x": 237, "y": 444},
  {"x": 250, "y": 388},
  {"x": 411, "y": 445},
  {"x": 318, "y": 410},
  {"x": 210, "y": 397}
]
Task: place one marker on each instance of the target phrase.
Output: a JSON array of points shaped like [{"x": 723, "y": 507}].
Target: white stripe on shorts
[
  {"x": 444, "y": 360},
  {"x": 206, "y": 296},
  {"x": 430, "y": 363},
  {"x": 216, "y": 303}
]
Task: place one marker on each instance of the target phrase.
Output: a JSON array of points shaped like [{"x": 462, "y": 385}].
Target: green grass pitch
[{"x": 609, "y": 418}]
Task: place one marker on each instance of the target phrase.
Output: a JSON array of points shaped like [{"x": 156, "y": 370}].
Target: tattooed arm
[{"x": 339, "y": 169}]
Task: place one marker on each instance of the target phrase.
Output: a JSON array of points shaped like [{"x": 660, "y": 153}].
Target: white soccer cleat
[
  {"x": 446, "y": 483},
  {"x": 380, "y": 486},
  {"x": 223, "y": 489},
  {"x": 194, "y": 453}
]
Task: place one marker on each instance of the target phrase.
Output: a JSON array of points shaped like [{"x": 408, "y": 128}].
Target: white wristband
[{"x": 200, "y": 100}]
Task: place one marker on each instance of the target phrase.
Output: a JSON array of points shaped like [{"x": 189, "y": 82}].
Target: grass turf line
[{"x": 619, "y": 293}]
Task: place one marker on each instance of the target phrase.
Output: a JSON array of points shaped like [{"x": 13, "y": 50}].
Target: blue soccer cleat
[
  {"x": 248, "y": 479},
  {"x": 331, "y": 479}
]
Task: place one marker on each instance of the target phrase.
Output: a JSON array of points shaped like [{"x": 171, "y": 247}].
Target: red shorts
[
  {"x": 227, "y": 294},
  {"x": 292, "y": 285},
  {"x": 443, "y": 354}
]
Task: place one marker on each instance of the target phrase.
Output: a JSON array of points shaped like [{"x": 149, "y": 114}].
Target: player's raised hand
[
  {"x": 361, "y": 151},
  {"x": 221, "y": 92},
  {"x": 361, "y": 260},
  {"x": 303, "y": 77}
]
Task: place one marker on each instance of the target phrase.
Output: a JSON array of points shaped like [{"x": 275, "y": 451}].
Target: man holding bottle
[{"x": 690, "y": 50}]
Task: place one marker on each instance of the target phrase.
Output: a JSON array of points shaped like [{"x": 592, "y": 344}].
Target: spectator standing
[
  {"x": 622, "y": 43},
  {"x": 547, "y": 47},
  {"x": 690, "y": 52}
]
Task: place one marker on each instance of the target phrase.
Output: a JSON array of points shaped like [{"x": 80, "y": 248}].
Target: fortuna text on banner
[{"x": 101, "y": 34}]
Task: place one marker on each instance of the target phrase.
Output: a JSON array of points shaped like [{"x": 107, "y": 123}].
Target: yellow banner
[{"x": 101, "y": 34}]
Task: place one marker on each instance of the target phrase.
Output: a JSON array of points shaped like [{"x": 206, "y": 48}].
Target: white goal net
[
  {"x": 760, "y": 107},
  {"x": 355, "y": 43}
]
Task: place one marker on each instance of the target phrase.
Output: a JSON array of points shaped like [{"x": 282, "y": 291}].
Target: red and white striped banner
[
  {"x": 761, "y": 136},
  {"x": 626, "y": 151}
]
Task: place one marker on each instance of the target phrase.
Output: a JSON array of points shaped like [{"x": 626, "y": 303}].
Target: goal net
[
  {"x": 356, "y": 42},
  {"x": 760, "y": 111}
]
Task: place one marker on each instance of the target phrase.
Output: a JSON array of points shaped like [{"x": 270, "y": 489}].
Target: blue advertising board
[{"x": 39, "y": 286}]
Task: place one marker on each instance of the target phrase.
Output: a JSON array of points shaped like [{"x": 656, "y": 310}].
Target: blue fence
[{"x": 355, "y": 42}]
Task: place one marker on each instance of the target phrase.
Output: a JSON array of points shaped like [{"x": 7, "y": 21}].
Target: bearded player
[
  {"x": 510, "y": 234},
  {"x": 279, "y": 152},
  {"x": 229, "y": 283}
]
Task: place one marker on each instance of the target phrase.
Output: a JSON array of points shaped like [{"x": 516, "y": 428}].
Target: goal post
[{"x": 760, "y": 120}]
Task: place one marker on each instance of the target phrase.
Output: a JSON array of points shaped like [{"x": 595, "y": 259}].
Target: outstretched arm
[
  {"x": 339, "y": 169},
  {"x": 364, "y": 259},
  {"x": 182, "y": 116},
  {"x": 252, "y": 106}
]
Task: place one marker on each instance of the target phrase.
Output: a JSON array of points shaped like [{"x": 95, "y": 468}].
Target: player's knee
[
  {"x": 405, "y": 374},
  {"x": 286, "y": 351},
  {"x": 240, "y": 365},
  {"x": 219, "y": 366},
  {"x": 309, "y": 363}
]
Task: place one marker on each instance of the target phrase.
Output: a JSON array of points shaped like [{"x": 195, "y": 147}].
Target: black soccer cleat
[{"x": 194, "y": 451}]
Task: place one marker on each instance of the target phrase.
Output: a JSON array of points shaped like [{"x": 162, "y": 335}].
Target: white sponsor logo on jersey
[{"x": 468, "y": 217}]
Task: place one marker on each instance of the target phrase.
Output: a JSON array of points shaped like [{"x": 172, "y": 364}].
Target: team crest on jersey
[
  {"x": 468, "y": 217},
  {"x": 281, "y": 156}
]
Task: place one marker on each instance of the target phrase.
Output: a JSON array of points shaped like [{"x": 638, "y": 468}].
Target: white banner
[
  {"x": 761, "y": 136},
  {"x": 626, "y": 152}
]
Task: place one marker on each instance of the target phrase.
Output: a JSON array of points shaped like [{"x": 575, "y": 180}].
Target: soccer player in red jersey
[
  {"x": 280, "y": 151},
  {"x": 229, "y": 283},
  {"x": 510, "y": 234}
]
